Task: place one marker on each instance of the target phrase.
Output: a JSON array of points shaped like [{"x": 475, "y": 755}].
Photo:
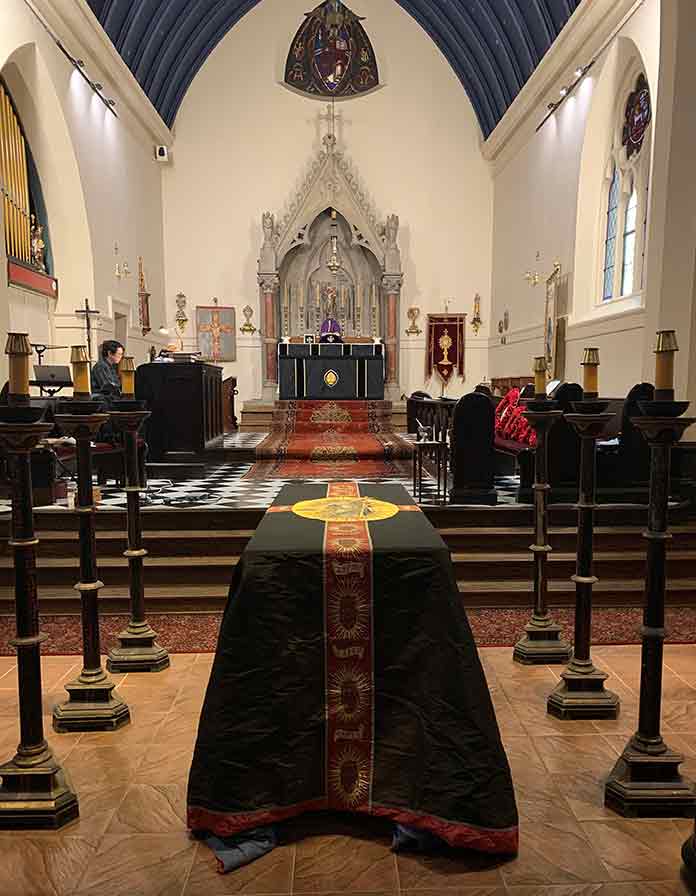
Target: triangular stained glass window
[{"x": 331, "y": 54}]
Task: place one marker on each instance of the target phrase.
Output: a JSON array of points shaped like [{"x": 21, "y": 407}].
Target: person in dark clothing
[{"x": 105, "y": 378}]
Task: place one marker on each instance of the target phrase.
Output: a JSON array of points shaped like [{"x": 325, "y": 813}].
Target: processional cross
[
  {"x": 88, "y": 314},
  {"x": 216, "y": 329}
]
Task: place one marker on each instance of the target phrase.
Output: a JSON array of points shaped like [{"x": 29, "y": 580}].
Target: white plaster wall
[
  {"x": 101, "y": 186},
  {"x": 536, "y": 210},
  {"x": 242, "y": 142}
]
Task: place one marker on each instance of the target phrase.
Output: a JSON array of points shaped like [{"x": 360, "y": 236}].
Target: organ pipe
[{"x": 14, "y": 182}]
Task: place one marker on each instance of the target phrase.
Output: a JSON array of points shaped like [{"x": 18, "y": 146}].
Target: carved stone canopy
[{"x": 330, "y": 182}]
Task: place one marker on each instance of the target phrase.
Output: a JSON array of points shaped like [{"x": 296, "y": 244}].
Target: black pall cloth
[{"x": 346, "y": 678}]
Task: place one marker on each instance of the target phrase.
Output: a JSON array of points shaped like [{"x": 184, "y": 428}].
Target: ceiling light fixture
[
  {"x": 77, "y": 63},
  {"x": 581, "y": 71}
]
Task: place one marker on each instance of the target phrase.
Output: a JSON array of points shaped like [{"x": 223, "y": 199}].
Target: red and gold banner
[{"x": 445, "y": 345}]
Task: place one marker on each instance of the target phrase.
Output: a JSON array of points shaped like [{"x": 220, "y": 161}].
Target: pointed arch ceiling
[{"x": 493, "y": 46}]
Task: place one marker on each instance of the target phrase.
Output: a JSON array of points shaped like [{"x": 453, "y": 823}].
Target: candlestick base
[
  {"x": 581, "y": 695},
  {"x": 93, "y": 705},
  {"x": 137, "y": 651},
  {"x": 37, "y": 795},
  {"x": 649, "y": 785},
  {"x": 688, "y": 854},
  {"x": 541, "y": 645}
]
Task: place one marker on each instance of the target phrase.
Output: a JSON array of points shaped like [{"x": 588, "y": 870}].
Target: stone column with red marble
[
  {"x": 269, "y": 286},
  {"x": 391, "y": 284}
]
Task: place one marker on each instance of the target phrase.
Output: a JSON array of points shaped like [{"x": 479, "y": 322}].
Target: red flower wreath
[{"x": 510, "y": 422}]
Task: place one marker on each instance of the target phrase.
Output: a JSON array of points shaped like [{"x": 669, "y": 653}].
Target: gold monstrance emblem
[{"x": 445, "y": 343}]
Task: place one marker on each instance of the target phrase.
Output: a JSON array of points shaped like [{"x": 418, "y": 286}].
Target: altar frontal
[{"x": 346, "y": 679}]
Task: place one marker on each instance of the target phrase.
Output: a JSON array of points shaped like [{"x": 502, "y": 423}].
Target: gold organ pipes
[
  {"x": 7, "y": 186},
  {"x": 14, "y": 175},
  {"x": 26, "y": 229}
]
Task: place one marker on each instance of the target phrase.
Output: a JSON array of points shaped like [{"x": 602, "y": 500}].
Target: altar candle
[
  {"x": 19, "y": 351},
  {"x": 590, "y": 371},
  {"x": 128, "y": 377},
  {"x": 540, "y": 375},
  {"x": 80, "y": 370},
  {"x": 665, "y": 351}
]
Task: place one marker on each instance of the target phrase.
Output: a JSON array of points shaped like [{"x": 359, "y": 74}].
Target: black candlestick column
[
  {"x": 137, "y": 650},
  {"x": 541, "y": 643},
  {"x": 35, "y": 791},
  {"x": 93, "y": 704},
  {"x": 646, "y": 780},
  {"x": 581, "y": 693}
]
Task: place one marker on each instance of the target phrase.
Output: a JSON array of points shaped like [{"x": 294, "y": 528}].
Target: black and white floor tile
[{"x": 221, "y": 485}]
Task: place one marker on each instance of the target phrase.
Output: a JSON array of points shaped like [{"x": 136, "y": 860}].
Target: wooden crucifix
[{"x": 88, "y": 314}]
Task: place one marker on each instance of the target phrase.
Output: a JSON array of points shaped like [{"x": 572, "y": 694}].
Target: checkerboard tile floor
[{"x": 223, "y": 485}]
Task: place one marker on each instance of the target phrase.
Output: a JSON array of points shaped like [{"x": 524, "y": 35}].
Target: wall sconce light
[
  {"x": 476, "y": 321},
  {"x": 122, "y": 270}
]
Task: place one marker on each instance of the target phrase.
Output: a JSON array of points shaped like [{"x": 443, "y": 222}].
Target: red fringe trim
[{"x": 459, "y": 836}]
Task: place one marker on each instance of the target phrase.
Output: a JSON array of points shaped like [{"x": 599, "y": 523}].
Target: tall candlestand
[
  {"x": 646, "y": 780},
  {"x": 541, "y": 643},
  {"x": 35, "y": 791},
  {"x": 137, "y": 650},
  {"x": 580, "y": 693},
  {"x": 688, "y": 853},
  {"x": 93, "y": 704}
]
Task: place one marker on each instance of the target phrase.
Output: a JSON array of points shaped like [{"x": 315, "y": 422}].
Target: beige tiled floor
[{"x": 131, "y": 838}]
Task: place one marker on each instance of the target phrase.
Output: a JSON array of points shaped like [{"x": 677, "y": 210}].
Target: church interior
[{"x": 347, "y": 447}]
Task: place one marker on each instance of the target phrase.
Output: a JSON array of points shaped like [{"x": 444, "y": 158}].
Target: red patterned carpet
[
  {"x": 197, "y": 632},
  {"x": 331, "y": 440}
]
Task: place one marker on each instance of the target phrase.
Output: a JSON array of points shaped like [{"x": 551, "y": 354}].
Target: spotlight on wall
[
  {"x": 563, "y": 91},
  {"x": 78, "y": 63},
  {"x": 579, "y": 72}
]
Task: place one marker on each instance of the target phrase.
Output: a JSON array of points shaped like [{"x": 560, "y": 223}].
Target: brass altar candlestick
[
  {"x": 580, "y": 693},
  {"x": 80, "y": 372},
  {"x": 645, "y": 780},
  {"x": 590, "y": 373},
  {"x": 665, "y": 351},
  {"x": 137, "y": 650},
  {"x": 541, "y": 643},
  {"x": 539, "y": 369},
  {"x": 127, "y": 371},
  {"x": 35, "y": 791},
  {"x": 93, "y": 704},
  {"x": 18, "y": 349}
]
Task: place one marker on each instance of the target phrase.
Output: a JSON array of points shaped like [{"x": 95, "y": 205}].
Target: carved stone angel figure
[
  {"x": 268, "y": 224},
  {"x": 391, "y": 231}
]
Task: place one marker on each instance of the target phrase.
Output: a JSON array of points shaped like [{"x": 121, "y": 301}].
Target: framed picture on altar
[{"x": 309, "y": 339}]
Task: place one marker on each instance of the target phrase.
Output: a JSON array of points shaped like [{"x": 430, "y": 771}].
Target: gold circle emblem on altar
[
  {"x": 330, "y": 378},
  {"x": 345, "y": 510}
]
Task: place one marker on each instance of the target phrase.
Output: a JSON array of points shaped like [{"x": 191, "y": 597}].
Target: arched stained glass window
[
  {"x": 629, "y": 245},
  {"x": 610, "y": 241}
]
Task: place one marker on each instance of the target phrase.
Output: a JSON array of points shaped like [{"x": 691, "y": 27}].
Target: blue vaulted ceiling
[{"x": 492, "y": 45}]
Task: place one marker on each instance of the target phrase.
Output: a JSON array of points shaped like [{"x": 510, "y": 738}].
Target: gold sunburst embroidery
[
  {"x": 349, "y": 691},
  {"x": 349, "y": 611},
  {"x": 349, "y": 777}
]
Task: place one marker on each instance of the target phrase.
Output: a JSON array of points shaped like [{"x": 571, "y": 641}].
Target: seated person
[{"x": 105, "y": 378}]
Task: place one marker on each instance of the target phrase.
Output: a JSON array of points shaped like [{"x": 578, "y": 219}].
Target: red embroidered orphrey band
[{"x": 349, "y": 659}]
